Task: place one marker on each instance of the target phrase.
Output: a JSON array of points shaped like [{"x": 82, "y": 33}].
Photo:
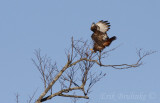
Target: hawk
[{"x": 99, "y": 36}]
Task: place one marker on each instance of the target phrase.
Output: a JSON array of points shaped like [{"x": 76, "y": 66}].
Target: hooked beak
[{"x": 93, "y": 24}]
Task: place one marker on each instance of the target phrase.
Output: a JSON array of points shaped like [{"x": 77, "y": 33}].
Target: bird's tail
[
  {"x": 109, "y": 41},
  {"x": 113, "y": 38}
]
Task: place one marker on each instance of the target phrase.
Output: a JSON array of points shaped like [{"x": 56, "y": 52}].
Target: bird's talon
[{"x": 92, "y": 51}]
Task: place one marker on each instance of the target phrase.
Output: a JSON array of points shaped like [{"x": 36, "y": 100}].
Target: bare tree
[{"x": 77, "y": 74}]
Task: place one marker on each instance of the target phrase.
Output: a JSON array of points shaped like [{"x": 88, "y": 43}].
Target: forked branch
[{"x": 76, "y": 73}]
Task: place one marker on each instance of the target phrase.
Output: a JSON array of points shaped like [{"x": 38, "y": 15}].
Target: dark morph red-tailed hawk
[{"x": 100, "y": 37}]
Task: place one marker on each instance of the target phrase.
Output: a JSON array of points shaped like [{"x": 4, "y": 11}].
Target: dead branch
[
  {"x": 17, "y": 98},
  {"x": 74, "y": 96},
  {"x": 76, "y": 73},
  {"x": 45, "y": 67},
  {"x": 31, "y": 97},
  {"x": 59, "y": 93}
]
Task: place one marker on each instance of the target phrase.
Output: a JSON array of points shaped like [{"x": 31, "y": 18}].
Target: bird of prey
[{"x": 100, "y": 37}]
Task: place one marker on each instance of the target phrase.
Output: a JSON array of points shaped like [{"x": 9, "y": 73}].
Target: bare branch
[
  {"x": 17, "y": 98},
  {"x": 77, "y": 74},
  {"x": 31, "y": 98},
  {"x": 94, "y": 79},
  {"x": 74, "y": 96},
  {"x": 58, "y": 93},
  {"x": 74, "y": 100}
]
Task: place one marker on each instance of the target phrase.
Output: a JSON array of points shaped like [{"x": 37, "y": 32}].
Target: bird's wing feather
[{"x": 103, "y": 25}]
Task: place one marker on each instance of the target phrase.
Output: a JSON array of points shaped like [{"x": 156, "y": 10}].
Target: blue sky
[{"x": 26, "y": 25}]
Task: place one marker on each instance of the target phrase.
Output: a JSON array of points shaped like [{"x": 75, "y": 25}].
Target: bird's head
[{"x": 94, "y": 27}]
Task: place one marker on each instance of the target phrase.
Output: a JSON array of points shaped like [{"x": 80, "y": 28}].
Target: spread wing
[{"x": 103, "y": 26}]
